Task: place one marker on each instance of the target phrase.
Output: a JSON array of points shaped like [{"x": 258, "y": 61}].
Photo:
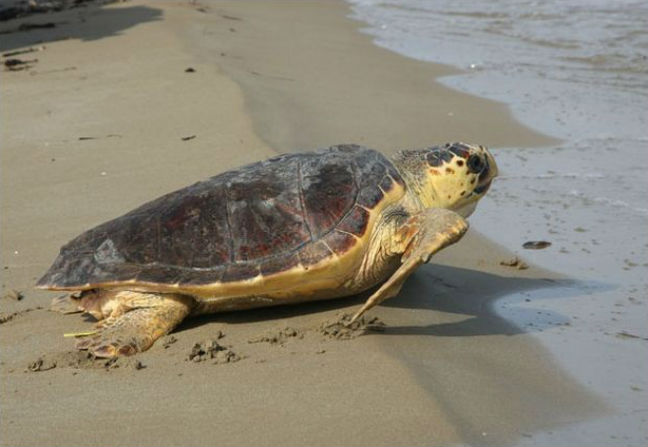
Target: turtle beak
[
  {"x": 487, "y": 175},
  {"x": 491, "y": 165},
  {"x": 482, "y": 188}
]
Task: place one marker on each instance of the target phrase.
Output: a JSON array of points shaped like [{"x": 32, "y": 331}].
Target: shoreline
[
  {"x": 445, "y": 367},
  {"x": 325, "y": 84},
  {"x": 549, "y": 192}
]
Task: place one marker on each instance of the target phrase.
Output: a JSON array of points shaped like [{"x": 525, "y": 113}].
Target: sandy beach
[{"x": 109, "y": 117}]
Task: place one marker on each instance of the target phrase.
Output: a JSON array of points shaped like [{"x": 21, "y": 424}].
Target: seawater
[
  {"x": 576, "y": 70},
  {"x": 569, "y": 68}
]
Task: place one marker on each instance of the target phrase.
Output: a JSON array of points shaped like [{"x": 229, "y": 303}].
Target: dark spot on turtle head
[
  {"x": 473, "y": 180},
  {"x": 433, "y": 159},
  {"x": 446, "y": 156},
  {"x": 463, "y": 193},
  {"x": 460, "y": 162},
  {"x": 449, "y": 170},
  {"x": 449, "y": 196},
  {"x": 437, "y": 156},
  {"x": 460, "y": 150}
]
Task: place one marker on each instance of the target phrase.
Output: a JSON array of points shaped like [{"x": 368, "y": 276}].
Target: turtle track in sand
[{"x": 211, "y": 351}]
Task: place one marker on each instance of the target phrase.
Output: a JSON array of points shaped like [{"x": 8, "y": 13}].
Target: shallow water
[
  {"x": 576, "y": 70},
  {"x": 568, "y": 68}
]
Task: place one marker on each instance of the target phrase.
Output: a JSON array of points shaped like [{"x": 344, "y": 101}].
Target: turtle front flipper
[
  {"x": 421, "y": 236},
  {"x": 136, "y": 321}
]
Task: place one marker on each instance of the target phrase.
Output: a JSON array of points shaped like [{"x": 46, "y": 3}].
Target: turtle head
[{"x": 454, "y": 176}]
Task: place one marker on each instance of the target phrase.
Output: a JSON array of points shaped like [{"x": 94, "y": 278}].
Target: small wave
[
  {"x": 643, "y": 212},
  {"x": 551, "y": 176}
]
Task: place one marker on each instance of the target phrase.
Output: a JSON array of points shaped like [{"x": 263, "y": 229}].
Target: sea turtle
[{"x": 297, "y": 227}]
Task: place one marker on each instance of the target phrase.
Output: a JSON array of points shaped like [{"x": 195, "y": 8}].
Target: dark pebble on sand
[{"x": 536, "y": 245}]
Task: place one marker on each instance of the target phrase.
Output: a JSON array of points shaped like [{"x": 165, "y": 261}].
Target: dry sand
[{"x": 96, "y": 126}]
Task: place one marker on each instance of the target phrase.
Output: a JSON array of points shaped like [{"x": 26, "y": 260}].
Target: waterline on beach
[{"x": 577, "y": 71}]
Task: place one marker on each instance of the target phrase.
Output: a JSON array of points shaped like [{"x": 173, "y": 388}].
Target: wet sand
[{"x": 100, "y": 123}]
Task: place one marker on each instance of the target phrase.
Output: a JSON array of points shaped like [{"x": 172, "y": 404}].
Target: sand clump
[
  {"x": 13, "y": 294},
  {"x": 343, "y": 329},
  {"x": 340, "y": 328},
  {"x": 82, "y": 360},
  {"x": 168, "y": 341},
  {"x": 515, "y": 262},
  {"x": 280, "y": 337},
  {"x": 8, "y": 316},
  {"x": 212, "y": 350}
]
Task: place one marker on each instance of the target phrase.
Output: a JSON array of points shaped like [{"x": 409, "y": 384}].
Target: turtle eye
[{"x": 475, "y": 164}]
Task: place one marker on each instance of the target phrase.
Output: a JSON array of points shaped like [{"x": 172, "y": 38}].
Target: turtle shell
[{"x": 261, "y": 219}]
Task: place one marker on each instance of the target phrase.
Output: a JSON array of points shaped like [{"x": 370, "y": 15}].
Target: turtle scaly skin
[{"x": 296, "y": 227}]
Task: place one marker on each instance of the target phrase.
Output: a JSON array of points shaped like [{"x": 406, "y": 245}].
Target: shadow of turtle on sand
[
  {"x": 491, "y": 378},
  {"x": 450, "y": 291},
  {"x": 459, "y": 291}
]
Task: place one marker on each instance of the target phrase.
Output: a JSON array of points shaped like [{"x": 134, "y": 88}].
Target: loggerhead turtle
[{"x": 294, "y": 228}]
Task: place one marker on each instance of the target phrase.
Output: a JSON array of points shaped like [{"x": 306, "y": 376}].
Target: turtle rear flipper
[{"x": 136, "y": 323}]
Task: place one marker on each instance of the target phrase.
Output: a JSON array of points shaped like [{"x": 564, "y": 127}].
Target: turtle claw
[
  {"x": 103, "y": 347},
  {"x": 84, "y": 343},
  {"x": 110, "y": 343},
  {"x": 104, "y": 350}
]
